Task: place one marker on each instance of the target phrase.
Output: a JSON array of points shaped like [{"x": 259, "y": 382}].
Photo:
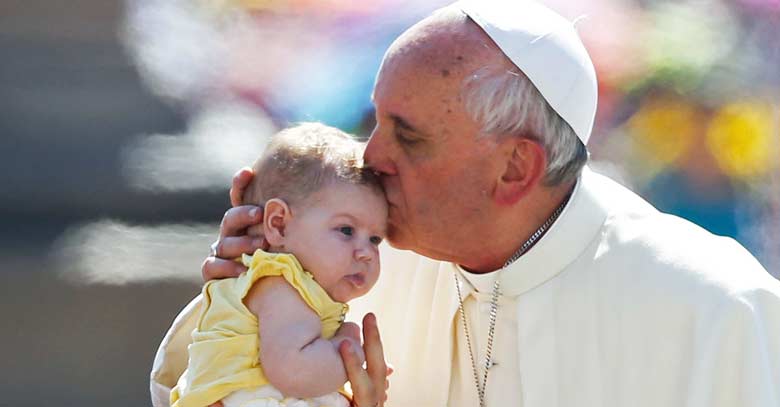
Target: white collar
[{"x": 566, "y": 239}]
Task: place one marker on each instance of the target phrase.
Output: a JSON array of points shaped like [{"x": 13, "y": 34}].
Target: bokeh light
[
  {"x": 664, "y": 128},
  {"x": 743, "y": 137}
]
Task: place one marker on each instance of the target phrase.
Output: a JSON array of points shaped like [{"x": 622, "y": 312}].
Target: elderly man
[{"x": 536, "y": 281}]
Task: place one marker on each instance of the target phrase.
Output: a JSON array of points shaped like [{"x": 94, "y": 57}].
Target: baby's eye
[
  {"x": 376, "y": 240},
  {"x": 347, "y": 230}
]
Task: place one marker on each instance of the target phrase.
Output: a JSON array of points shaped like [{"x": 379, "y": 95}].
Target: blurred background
[{"x": 121, "y": 124}]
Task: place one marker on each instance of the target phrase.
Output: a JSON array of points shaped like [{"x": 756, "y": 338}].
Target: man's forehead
[
  {"x": 407, "y": 90},
  {"x": 447, "y": 45},
  {"x": 452, "y": 43},
  {"x": 423, "y": 73}
]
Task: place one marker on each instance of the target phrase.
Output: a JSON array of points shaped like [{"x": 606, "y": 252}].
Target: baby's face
[{"x": 335, "y": 235}]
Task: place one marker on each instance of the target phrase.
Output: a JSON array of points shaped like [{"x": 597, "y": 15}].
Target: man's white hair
[{"x": 505, "y": 102}]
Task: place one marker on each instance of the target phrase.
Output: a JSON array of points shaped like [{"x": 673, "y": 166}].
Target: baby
[{"x": 270, "y": 337}]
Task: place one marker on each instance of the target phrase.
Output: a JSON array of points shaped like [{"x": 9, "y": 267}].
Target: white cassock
[{"x": 617, "y": 305}]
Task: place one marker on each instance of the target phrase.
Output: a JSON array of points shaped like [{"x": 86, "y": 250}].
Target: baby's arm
[{"x": 295, "y": 358}]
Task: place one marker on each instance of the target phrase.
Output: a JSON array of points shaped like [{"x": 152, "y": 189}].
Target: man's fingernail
[
  {"x": 253, "y": 212},
  {"x": 257, "y": 242}
]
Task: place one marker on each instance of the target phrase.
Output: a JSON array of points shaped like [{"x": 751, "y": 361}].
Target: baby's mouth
[{"x": 357, "y": 279}]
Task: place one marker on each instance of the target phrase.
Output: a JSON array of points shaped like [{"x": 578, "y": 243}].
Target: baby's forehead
[
  {"x": 340, "y": 192},
  {"x": 362, "y": 203}
]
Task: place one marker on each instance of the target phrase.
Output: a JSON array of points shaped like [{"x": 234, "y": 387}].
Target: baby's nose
[{"x": 363, "y": 254}]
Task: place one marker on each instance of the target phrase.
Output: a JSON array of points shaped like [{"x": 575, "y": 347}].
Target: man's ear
[
  {"x": 276, "y": 214},
  {"x": 525, "y": 167}
]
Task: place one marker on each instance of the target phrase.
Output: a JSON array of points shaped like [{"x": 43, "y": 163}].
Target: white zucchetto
[{"x": 546, "y": 48}]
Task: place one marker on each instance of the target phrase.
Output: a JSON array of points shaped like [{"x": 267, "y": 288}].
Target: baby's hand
[{"x": 351, "y": 332}]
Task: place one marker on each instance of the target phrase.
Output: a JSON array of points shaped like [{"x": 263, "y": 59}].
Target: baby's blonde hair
[{"x": 300, "y": 160}]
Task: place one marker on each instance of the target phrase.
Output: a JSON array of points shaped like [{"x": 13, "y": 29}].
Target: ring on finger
[{"x": 214, "y": 246}]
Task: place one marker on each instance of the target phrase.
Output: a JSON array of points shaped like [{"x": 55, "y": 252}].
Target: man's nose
[{"x": 377, "y": 154}]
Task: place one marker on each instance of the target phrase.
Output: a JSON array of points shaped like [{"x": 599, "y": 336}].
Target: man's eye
[
  {"x": 376, "y": 240},
  {"x": 404, "y": 139},
  {"x": 346, "y": 230}
]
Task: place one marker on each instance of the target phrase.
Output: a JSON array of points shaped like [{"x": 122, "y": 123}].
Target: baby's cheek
[{"x": 342, "y": 292}]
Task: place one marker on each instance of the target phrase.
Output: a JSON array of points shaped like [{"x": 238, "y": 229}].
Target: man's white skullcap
[{"x": 546, "y": 48}]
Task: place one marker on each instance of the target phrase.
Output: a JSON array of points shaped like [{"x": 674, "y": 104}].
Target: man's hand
[
  {"x": 233, "y": 238},
  {"x": 369, "y": 385}
]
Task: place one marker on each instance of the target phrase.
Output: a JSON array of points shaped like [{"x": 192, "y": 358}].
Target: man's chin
[{"x": 398, "y": 238}]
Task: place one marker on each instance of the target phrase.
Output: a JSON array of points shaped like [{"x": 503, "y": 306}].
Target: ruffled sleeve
[{"x": 263, "y": 264}]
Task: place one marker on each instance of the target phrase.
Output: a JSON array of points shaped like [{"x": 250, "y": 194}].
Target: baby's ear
[{"x": 275, "y": 217}]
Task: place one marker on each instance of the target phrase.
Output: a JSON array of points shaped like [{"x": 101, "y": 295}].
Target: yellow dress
[{"x": 224, "y": 354}]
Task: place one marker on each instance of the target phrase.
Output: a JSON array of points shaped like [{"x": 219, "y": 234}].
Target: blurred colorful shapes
[
  {"x": 315, "y": 6},
  {"x": 179, "y": 47},
  {"x": 763, "y": 5},
  {"x": 685, "y": 40},
  {"x": 663, "y": 129},
  {"x": 743, "y": 138},
  {"x": 609, "y": 30},
  {"x": 260, "y": 4}
]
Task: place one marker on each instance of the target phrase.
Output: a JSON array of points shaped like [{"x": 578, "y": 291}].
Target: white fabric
[
  {"x": 171, "y": 358},
  {"x": 269, "y": 396},
  {"x": 617, "y": 305},
  {"x": 546, "y": 48},
  {"x": 504, "y": 388}
]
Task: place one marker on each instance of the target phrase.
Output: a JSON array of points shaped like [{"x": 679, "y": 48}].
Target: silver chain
[{"x": 481, "y": 387}]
